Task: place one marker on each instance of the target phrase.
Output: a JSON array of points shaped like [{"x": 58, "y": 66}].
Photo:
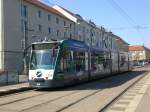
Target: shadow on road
[{"x": 104, "y": 83}]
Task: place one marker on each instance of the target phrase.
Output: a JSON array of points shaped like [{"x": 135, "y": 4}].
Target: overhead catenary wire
[
  {"x": 129, "y": 27},
  {"x": 132, "y": 23}
]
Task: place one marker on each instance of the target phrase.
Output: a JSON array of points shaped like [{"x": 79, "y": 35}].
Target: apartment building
[
  {"x": 140, "y": 54},
  {"x": 121, "y": 44},
  {"x": 25, "y": 21},
  {"x": 88, "y": 31}
]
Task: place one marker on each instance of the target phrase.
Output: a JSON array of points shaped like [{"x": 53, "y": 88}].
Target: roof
[
  {"x": 137, "y": 48},
  {"x": 71, "y": 13},
  {"x": 68, "y": 11},
  {"x": 121, "y": 40},
  {"x": 45, "y": 7}
]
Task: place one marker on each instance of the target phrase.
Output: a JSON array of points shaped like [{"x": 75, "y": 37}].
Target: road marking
[
  {"x": 114, "y": 111},
  {"x": 123, "y": 102},
  {"x": 131, "y": 99},
  {"x": 135, "y": 102},
  {"x": 133, "y": 105},
  {"x": 130, "y": 94},
  {"x": 118, "y": 108}
]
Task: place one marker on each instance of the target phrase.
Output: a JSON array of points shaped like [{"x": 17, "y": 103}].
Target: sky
[{"x": 129, "y": 19}]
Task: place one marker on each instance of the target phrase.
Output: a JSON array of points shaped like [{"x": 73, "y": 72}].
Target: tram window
[
  {"x": 106, "y": 62},
  {"x": 94, "y": 61},
  {"x": 65, "y": 64},
  {"x": 122, "y": 60},
  {"x": 99, "y": 61},
  {"x": 67, "y": 61},
  {"x": 79, "y": 60}
]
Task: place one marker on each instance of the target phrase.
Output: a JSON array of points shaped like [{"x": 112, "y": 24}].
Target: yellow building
[{"x": 140, "y": 54}]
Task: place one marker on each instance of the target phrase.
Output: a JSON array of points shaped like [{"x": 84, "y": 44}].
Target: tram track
[
  {"x": 48, "y": 92},
  {"x": 49, "y": 101},
  {"x": 78, "y": 101},
  {"x": 122, "y": 93},
  {"x": 32, "y": 96},
  {"x": 41, "y": 94},
  {"x": 16, "y": 93},
  {"x": 21, "y": 98},
  {"x": 103, "y": 109},
  {"x": 67, "y": 93},
  {"x": 32, "y": 89},
  {"x": 68, "y": 105},
  {"x": 55, "y": 99}
]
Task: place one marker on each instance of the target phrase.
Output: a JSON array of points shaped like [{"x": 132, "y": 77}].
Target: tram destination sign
[{"x": 43, "y": 46}]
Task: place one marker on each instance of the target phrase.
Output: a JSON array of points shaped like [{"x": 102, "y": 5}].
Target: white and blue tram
[{"x": 60, "y": 63}]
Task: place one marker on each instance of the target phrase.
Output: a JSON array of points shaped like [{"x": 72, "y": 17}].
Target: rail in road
[
  {"x": 113, "y": 105},
  {"x": 89, "y": 97}
]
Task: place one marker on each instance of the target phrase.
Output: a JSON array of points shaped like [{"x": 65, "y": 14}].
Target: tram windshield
[{"x": 43, "y": 58}]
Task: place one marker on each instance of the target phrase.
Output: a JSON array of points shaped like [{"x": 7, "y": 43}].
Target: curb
[{"x": 15, "y": 90}]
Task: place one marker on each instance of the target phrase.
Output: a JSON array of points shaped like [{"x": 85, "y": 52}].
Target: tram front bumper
[{"x": 45, "y": 83}]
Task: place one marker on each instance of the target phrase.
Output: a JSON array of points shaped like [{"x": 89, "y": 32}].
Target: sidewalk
[
  {"x": 9, "y": 89},
  {"x": 144, "y": 105},
  {"x": 138, "y": 94},
  {"x": 135, "y": 99}
]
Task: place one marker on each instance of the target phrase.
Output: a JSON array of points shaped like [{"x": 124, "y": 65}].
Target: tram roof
[
  {"x": 43, "y": 42},
  {"x": 71, "y": 42}
]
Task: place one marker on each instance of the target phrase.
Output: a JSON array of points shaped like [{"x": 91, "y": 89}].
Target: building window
[
  {"x": 57, "y": 20},
  {"x": 39, "y": 14},
  {"x": 70, "y": 35},
  {"x": 65, "y": 34},
  {"x": 70, "y": 26},
  {"x": 87, "y": 30},
  {"x": 40, "y": 28},
  {"x": 64, "y": 23},
  {"x": 80, "y": 37},
  {"x": 49, "y": 30},
  {"x": 49, "y": 17},
  {"x": 24, "y": 12},
  {"x": 57, "y": 32}
]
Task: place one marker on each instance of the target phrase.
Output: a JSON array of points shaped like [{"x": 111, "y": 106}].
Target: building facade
[
  {"x": 23, "y": 22},
  {"x": 140, "y": 54},
  {"x": 88, "y": 31}
]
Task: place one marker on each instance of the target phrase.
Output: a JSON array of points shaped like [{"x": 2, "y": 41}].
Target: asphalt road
[{"x": 88, "y": 97}]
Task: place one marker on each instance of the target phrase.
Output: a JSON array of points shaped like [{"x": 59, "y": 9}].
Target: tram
[{"x": 66, "y": 62}]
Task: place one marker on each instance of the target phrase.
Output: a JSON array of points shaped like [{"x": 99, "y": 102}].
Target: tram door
[
  {"x": 66, "y": 66},
  {"x": 81, "y": 64}
]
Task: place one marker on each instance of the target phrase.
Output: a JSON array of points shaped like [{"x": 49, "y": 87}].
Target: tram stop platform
[
  {"x": 144, "y": 102},
  {"x": 135, "y": 99},
  {"x": 9, "y": 89}
]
